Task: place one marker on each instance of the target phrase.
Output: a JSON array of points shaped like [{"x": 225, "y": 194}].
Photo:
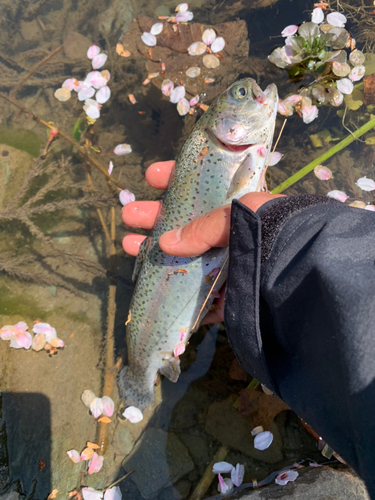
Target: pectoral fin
[{"x": 171, "y": 369}]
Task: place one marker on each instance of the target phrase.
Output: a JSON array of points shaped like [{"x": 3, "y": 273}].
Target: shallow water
[{"x": 55, "y": 259}]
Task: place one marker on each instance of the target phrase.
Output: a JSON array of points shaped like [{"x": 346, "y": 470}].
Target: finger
[
  {"x": 141, "y": 213},
  {"x": 132, "y": 242},
  {"x": 216, "y": 315},
  {"x": 158, "y": 174}
]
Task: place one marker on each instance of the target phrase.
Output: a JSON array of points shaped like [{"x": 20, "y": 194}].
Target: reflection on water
[{"x": 58, "y": 215}]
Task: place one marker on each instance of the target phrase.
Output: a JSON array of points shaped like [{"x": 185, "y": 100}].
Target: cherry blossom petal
[
  {"x": 290, "y": 30},
  {"x": 39, "y": 341},
  {"x": 177, "y": 94},
  {"x": 337, "y": 98},
  {"x": 70, "y": 84},
  {"x": 237, "y": 474},
  {"x": 336, "y": 19},
  {"x": 323, "y": 173},
  {"x": 275, "y": 158},
  {"x": 7, "y": 332},
  {"x": 208, "y": 36},
  {"x": 156, "y": 28},
  {"x": 92, "y": 109},
  {"x": 183, "y": 107},
  {"x": 225, "y": 485},
  {"x": 284, "y": 478},
  {"x": 184, "y": 17},
  {"x": 178, "y": 350},
  {"x": 110, "y": 168},
  {"x": 96, "y": 407},
  {"x": 317, "y": 15},
  {"x": 103, "y": 95},
  {"x": 126, "y": 197},
  {"x": 57, "y": 343},
  {"x": 340, "y": 69},
  {"x": 113, "y": 493},
  {"x": 222, "y": 468},
  {"x": 338, "y": 195},
  {"x": 74, "y": 456},
  {"x": 194, "y": 100},
  {"x": 87, "y": 453},
  {"x": 218, "y": 44},
  {"x": 309, "y": 113},
  {"x": 108, "y": 406},
  {"x": 95, "y": 79},
  {"x": 122, "y": 149},
  {"x": 263, "y": 440},
  {"x": 95, "y": 464},
  {"x": 371, "y": 208},
  {"x": 99, "y": 61},
  {"x": 133, "y": 414},
  {"x": 257, "y": 430},
  {"x": 366, "y": 184},
  {"x": 197, "y": 48},
  {"x": 22, "y": 340},
  {"x": 87, "y": 397},
  {"x": 211, "y": 61},
  {"x": 85, "y": 93},
  {"x": 193, "y": 72},
  {"x": 93, "y": 51},
  {"x": 91, "y": 494},
  {"x": 166, "y": 87},
  {"x": 357, "y": 73},
  {"x": 148, "y": 39},
  {"x": 182, "y": 7},
  {"x": 106, "y": 75},
  {"x": 356, "y": 57},
  {"x": 62, "y": 95}
]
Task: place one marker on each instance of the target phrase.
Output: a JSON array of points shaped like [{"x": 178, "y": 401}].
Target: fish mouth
[{"x": 233, "y": 148}]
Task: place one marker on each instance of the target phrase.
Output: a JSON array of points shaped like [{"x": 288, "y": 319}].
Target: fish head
[{"x": 244, "y": 115}]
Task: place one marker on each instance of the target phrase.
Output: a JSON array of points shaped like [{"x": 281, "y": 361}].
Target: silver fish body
[{"x": 223, "y": 158}]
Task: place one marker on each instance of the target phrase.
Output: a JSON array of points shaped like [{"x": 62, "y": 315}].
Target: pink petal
[
  {"x": 314, "y": 464},
  {"x": 323, "y": 173},
  {"x": 46, "y": 329},
  {"x": 93, "y": 51},
  {"x": 122, "y": 149},
  {"x": 197, "y": 48},
  {"x": 39, "y": 341},
  {"x": 70, "y": 84},
  {"x": 178, "y": 350},
  {"x": 194, "y": 101},
  {"x": 133, "y": 414},
  {"x": 126, "y": 197},
  {"x": 148, "y": 39},
  {"x": 336, "y": 19},
  {"x": 275, "y": 158},
  {"x": 108, "y": 406},
  {"x": 95, "y": 463},
  {"x": 22, "y": 340},
  {"x": 182, "y": 7},
  {"x": 218, "y": 44},
  {"x": 183, "y": 107},
  {"x": 284, "y": 478},
  {"x": 85, "y": 93},
  {"x": 263, "y": 440},
  {"x": 103, "y": 95},
  {"x": 99, "y": 60},
  {"x": 182, "y": 333},
  {"x": 95, "y": 79},
  {"x": 156, "y": 28},
  {"x": 366, "y": 184},
  {"x": 370, "y": 208},
  {"x": 309, "y": 113},
  {"x": 96, "y": 407},
  {"x": 338, "y": 195},
  {"x": 167, "y": 87},
  {"x": 317, "y": 15},
  {"x": 184, "y": 17},
  {"x": 237, "y": 474},
  {"x": 91, "y": 494},
  {"x": 262, "y": 151},
  {"x": 110, "y": 168},
  {"x": 113, "y": 494},
  {"x": 92, "y": 109},
  {"x": 74, "y": 456},
  {"x": 357, "y": 73},
  {"x": 7, "y": 332},
  {"x": 289, "y": 30},
  {"x": 225, "y": 485},
  {"x": 222, "y": 468},
  {"x": 177, "y": 94},
  {"x": 208, "y": 36}
]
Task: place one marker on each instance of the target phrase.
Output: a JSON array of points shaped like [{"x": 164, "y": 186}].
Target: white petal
[
  {"x": 183, "y": 107},
  {"x": 91, "y": 109},
  {"x": 336, "y": 19},
  {"x": 93, "y": 51},
  {"x": 366, "y": 184},
  {"x": 356, "y": 57},
  {"x": 39, "y": 341},
  {"x": 263, "y": 440},
  {"x": 166, "y": 87},
  {"x": 370, "y": 208},
  {"x": 85, "y": 93},
  {"x": 357, "y": 73},
  {"x": 177, "y": 94},
  {"x": 91, "y": 494},
  {"x": 222, "y": 468},
  {"x": 345, "y": 86},
  {"x": 110, "y": 168},
  {"x": 338, "y": 195},
  {"x": 95, "y": 79},
  {"x": 103, "y": 95},
  {"x": 257, "y": 430},
  {"x": 22, "y": 340},
  {"x": 108, "y": 406},
  {"x": 197, "y": 48},
  {"x": 122, "y": 149},
  {"x": 276, "y": 157},
  {"x": 156, "y": 28},
  {"x": 309, "y": 113},
  {"x": 99, "y": 61},
  {"x": 317, "y": 15},
  {"x": 87, "y": 397},
  {"x": 323, "y": 173},
  {"x": 126, "y": 197},
  {"x": 113, "y": 494},
  {"x": 193, "y": 72},
  {"x": 290, "y": 30},
  {"x": 237, "y": 474},
  {"x": 284, "y": 478},
  {"x": 62, "y": 94},
  {"x": 148, "y": 39},
  {"x": 74, "y": 456},
  {"x": 182, "y": 7},
  {"x": 184, "y": 17},
  {"x": 218, "y": 44},
  {"x": 208, "y": 36},
  {"x": 96, "y": 407},
  {"x": 46, "y": 329},
  {"x": 210, "y": 61},
  {"x": 133, "y": 414}
]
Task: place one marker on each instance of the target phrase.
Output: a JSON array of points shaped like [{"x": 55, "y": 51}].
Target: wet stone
[
  {"x": 160, "y": 460},
  {"x": 12, "y": 495}
]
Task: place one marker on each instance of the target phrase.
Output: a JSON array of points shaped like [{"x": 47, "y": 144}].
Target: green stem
[{"x": 335, "y": 149}]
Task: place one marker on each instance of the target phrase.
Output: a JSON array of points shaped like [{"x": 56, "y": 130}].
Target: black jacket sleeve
[{"x": 300, "y": 315}]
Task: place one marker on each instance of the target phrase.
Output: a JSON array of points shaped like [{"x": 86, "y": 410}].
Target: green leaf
[
  {"x": 354, "y": 100},
  {"x": 79, "y": 126}
]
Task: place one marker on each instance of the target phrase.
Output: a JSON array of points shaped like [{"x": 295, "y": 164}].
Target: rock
[
  {"x": 322, "y": 483},
  {"x": 76, "y": 45},
  {"x": 232, "y": 428},
  {"x": 198, "y": 449},
  {"x": 12, "y": 495},
  {"x": 14, "y": 165},
  {"x": 160, "y": 460}
]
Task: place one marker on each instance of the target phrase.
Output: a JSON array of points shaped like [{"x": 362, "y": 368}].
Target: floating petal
[
  {"x": 93, "y": 51},
  {"x": 57, "y": 343},
  {"x": 93, "y": 446},
  {"x": 126, "y": 197},
  {"x": 121, "y": 51},
  {"x": 225, "y": 485},
  {"x": 70, "y": 83},
  {"x": 22, "y": 340},
  {"x": 8, "y": 331},
  {"x": 357, "y": 73},
  {"x": 366, "y": 184},
  {"x": 194, "y": 101},
  {"x": 45, "y": 328},
  {"x": 222, "y": 468},
  {"x": 184, "y": 17},
  {"x": 210, "y": 61},
  {"x": 309, "y": 113},
  {"x": 95, "y": 464},
  {"x": 284, "y": 478},
  {"x": 110, "y": 168},
  {"x": 356, "y": 57},
  {"x": 178, "y": 350},
  {"x": 132, "y": 99},
  {"x": 96, "y": 407},
  {"x": 337, "y": 98},
  {"x": 133, "y": 414},
  {"x": 92, "y": 109},
  {"x": 182, "y": 7},
  {"x": 87, "y": 453},
  {"x": 122, "y": 149},
  {"x": 290, "y": 30},
  {"x": 371, "y": 208},
  {"x": 166, "y": 87},
  {"x": 39, "y": 341},
  {"x": 323, "y": 173},
  {"x": 91, "y": 494},
  {"x": 74, "y": 456},
  {"x": 177, "y": 94},
  {"x": 208, "y": 36},
  {"x": 103, "y": 95},
  {"x": 317, "y": 15},
  {"x": 149, "y": 39},
  {"x": 113, "y": 493},
  {"x": 237, "y": 474},
  {"x": 87, "y": 397},
  {"x": 108, "y": 406},
  {"x": 275, "y": 158},
  {"x": 85, "y": 93},
  {"x": 192, "y": 72},
  {"x": 95, "y": 79},
  {"x": 156, "y": 28},
  {"x": 338, "y": 195},
  {"x": 150, "y": 76},
  {"x": 257, "y": 430},
  {"x": 340, "y": 69},
  {"x": 62, "y": 94},
  {"x": 263, "y": 440},
  {"x": 357, "y": 204},
  {"x": 218, "y": 44},
  {"x": 99, "y": 61},
  {"x": 183, "y": 107},
  {"x": 336, "y": 19},
  {"x": 106, "y": 75},
  {"x": 197, "y": 48}
]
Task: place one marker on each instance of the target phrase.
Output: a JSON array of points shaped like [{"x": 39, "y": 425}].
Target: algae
[{"x": 24, "y": 140}]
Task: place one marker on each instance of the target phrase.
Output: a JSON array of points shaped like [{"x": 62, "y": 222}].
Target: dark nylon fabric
[{"x": 314, "y": 298}]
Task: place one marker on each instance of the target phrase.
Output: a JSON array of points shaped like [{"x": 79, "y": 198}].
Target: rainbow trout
[{"x": 223, "y": 158}]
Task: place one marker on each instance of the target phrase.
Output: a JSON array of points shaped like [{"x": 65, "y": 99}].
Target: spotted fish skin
[{"x": 223, "y": 158}]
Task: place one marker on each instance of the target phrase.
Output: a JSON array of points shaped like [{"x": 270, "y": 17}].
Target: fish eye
[{"x": 239, "y": 92}]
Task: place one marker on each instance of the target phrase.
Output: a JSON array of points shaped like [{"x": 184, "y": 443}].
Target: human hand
[{"x": 203, "y": 233}]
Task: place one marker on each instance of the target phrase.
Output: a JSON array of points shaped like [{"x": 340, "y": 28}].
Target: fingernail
[{"x": 172, "y": 237}]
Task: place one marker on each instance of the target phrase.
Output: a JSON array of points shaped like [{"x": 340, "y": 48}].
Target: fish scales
[{"x": 223, "y": 158}]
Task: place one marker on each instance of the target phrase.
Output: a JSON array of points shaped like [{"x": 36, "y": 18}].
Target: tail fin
[{"x": 136, "y": 391}]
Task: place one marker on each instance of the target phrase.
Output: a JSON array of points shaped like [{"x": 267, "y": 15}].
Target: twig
[
  {"x": 269, "y": 159},
  {"x": 209, "y": 476},
  {"x": 119, "y": 480},
  {"x": 35, "y": 68},
  {"x": 99, "y": 212}
]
